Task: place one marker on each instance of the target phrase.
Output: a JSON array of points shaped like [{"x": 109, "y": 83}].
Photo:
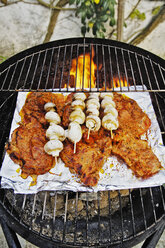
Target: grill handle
[
  {"x": 152, "y": 240},
  {"x": 10, "y": 235}
]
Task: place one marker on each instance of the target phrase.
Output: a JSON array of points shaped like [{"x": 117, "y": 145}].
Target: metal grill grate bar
[
  {"x": 97, "y": 71},
  {"x": 99, "y": 227},
  {"x": 140, "y": 74},
  {"x": 153, "y": 205},
  {"x": 143, "y": 210},
  {"x": 65, "y": 218},
  {"x": 49, "y": 69},
  {"x": 109, "y": 217},
  {"x": 75, "y": 220}
]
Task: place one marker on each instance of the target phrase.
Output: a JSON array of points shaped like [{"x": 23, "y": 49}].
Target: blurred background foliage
[{"x": 94, "y": 14}]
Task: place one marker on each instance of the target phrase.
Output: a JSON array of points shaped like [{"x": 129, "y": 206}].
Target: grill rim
[
  {"x": 82, "y": 41},
  {"x": 41, "y": 240}
]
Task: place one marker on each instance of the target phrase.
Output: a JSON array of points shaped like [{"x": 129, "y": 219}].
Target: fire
[
  {"x": 83, "y": 71},
  {"x": 119, "y": 83}
]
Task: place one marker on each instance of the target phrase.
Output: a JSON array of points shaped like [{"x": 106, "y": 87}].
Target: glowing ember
[{"x": 83, "y": 70}]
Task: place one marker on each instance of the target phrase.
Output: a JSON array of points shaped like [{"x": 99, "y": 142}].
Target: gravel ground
[{"x": 25, "y": 244}]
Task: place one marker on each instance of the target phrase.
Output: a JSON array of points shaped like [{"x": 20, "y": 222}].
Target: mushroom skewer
[
  {"x": 93, "y": 121},
  {"x": 77, "y": 117},
  {"x": 109, "y": 121},
  {"x": 54, "y": 133}
]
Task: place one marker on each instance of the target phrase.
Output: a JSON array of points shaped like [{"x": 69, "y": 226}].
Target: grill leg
[
  {"x": 10, "y": 235},
  {"x": 151, "y": 241}
]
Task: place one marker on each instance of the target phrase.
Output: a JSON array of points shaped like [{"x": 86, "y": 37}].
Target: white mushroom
[
  {"x": 53, "y": 147},
  {"x": 93, "y": 102},
  {"x": 109, "y": 122},
  {"x": 94, "y": 96},
  {"x": 77, "y": 116},
  {"x": 92, "y": 110},
  {"x": 53, "y": 117},
  {"x": 80, "y": 96},
  {"x": 109, "y": 109},
  {"x": 55, "y": 132},
  {"x": 93, "y": 123},
  {"x": 106, "y": 94},
  {"x": 49, "y": 106},
  {"x": 74, "y": 133},
  {"x": 108, "y": 101},
  {"x": 78, "y": 104}
]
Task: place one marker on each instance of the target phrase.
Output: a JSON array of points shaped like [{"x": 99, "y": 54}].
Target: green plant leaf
[
  {"x": 94, "y": 29},
  {"x": 125, "y": 24},
  {"x": 112, "y": 22},
  {"x": 142, "y": 16},
  {"x": 103, "y": 29},
  {"x": 78, "y": 2},
  {"x": 137, "y": 14},
  {"x": 83, "y": 19},
  {"x": 83, "y": 30},
  {"x": 134, "y": 14},
  {"x": 88, "y": 3},
  {"x": 71, "y": 2},
  {"x": 100, "y": 34},
  {"x": 112, "y": 10},
  {"x": 89, "y": 13},
  {"x": 106, "y": 5},
  {"x": 155, "y": 11},
  {"x": 104, "y": 18},
  {"x": 2, "y": 59}
]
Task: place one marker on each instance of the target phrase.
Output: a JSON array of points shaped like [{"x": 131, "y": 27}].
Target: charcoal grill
[{"x": 137, "y": 216}]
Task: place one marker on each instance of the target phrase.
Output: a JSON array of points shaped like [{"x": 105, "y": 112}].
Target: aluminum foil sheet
[{"x": 114, "y": 174}]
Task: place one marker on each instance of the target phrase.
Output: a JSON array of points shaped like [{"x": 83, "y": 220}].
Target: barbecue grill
[{"x": 69, "y": 219}]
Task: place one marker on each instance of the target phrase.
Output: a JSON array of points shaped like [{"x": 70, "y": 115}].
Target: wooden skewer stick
[
  {"x": 88, "y": 133},
  {"x": 74, "y": 147},
  {"x": 111, "y": 134},
  {"x": 56, "y": 159}
]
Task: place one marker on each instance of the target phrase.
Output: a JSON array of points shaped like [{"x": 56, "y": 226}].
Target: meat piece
[
  {"x": 130, "y": 116},
  {"x": 89, "y": 158},
  {"x": 67, "y": 110},
  {"x": 27, "y": 149},
  {"x": 33, "y": 109},
  {"x": 137, "y": 154}
]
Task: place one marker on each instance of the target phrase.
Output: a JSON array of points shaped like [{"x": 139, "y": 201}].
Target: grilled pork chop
[
  {"x": 90, "y": 156},
  {"x": 132, "y": 120},
  {"x": 137, "y": 154},
  {"x": 27, "y": 149}
]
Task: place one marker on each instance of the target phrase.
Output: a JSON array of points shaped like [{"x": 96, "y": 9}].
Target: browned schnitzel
[
  {"x": 90, "y": 156},
  {"x": 137, "y": 154}
]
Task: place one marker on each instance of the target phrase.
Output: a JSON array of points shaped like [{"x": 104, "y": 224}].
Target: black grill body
[{"x": 128, "y": 219}]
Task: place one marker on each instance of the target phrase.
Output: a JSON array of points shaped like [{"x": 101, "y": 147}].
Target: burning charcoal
[
  {"x": 72, "y": 205},
  {"x": 103, "y": 200},
  {"x": 89, "y": 197},
  {"x": 59, "y": 202}
]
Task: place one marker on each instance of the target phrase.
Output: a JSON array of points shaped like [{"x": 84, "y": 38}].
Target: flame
[
  {"x": 120, "y": 83},
  {"x": 83, "y": 71}
]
